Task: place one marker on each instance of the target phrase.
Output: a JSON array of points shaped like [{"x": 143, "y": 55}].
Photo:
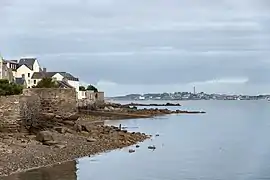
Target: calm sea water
[{"x": 230, "y": 142}]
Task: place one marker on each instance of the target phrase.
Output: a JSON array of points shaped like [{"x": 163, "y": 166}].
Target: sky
[{"x": 127, "y": 46}]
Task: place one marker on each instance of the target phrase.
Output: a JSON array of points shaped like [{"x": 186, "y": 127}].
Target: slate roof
[
  {"x": 29, "y": 62},
  {"x": 63, "y": 84},
  {"x": 40, "y": 75}
]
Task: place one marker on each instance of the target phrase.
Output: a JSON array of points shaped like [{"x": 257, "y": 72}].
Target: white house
[
  {"x": 26, "y": 68},
  {"x": 58, "y": 76}
]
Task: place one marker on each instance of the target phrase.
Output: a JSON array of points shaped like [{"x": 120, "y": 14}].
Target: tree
[
  {"x": 92, "y": 88},
  {"x": 82, "y": 88},
  {"x": 7, "y": 88},
  {"x": 47, "y": 82}
]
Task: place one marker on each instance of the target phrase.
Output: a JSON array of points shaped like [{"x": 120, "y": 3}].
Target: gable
[
  {"x": 29, "y": 62},
  {"x": 24, "y": 68},
  {"x": 58, "y": 76}
]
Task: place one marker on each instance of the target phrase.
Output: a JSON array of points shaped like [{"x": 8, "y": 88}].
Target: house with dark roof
[
  {"x": 26, "y": 67},
  {"x": 65, "y": 78}
]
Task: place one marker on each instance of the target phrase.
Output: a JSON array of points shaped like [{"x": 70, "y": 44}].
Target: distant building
[{"x": 141, "y": 98}]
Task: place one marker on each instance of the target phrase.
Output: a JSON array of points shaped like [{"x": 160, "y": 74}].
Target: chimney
[{"x": 44, "y": 70}]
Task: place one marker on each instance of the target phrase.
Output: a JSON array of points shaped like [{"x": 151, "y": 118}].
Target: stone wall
[
  {"x": 61, "y": 102},
  {"x": 9, "y": 113},
  {"x": 37, "y": 108},
  {"x": 91, "y": 100}
]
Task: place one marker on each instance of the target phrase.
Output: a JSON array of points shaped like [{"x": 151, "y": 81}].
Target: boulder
[
  {"x": 131, "y": 151},
  {"x": 86, "y": 128},
  {"x": 78, "y": 127},
  {"x": 60, "y": 146},
  {"x": 91, "y": 140},
  {"x": 44, "y": 136},
  {"x": 50, "y": 143},
  {"x": 71, "y": 117},
  {"x": 152, "y": 147},
  {"x": 47, "y": 116},
  {"x": 71, "y": 123},
  {"x": 61, "y": 130}
]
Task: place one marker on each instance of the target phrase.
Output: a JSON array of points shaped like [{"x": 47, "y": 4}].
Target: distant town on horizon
[{"x": 189, "y": 96}]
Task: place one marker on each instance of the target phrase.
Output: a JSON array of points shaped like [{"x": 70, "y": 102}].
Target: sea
[{"x": 230, "y": 142}]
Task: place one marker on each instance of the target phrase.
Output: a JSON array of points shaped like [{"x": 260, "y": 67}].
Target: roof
[
  {"x": 11, "y": 61},
  {"x": 68, "y": 76},
  {"x": 63, "y": 84},
  {"x": 28, "y": 62},
  {"x": 40, "y": 75},
  {"x": 19, "y": 81}
]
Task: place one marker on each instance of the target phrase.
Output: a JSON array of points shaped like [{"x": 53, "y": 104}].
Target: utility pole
[{"x": 194, "y": 90}]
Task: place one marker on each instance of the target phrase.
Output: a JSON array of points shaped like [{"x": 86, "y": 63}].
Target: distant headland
[{"x": 189, "y": 96}]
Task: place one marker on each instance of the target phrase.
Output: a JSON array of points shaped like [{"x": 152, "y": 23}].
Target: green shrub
[
  {"x": 92, "y": 88},
  {"x": 7, "y": 88},
  {"x": 82, "y": 88},
  {"x": 47, "y": 83}
]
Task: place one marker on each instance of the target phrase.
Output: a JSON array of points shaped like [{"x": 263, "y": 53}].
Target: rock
[
  {"x": 71, "y": 123},
  {"x": 131, "y": 151},
  {"x": 43, "y": 136},
  {"x": 78, "y": 127},
  {"x": 84, "y": 133},
  {"x": 70, "y": 131},
  {"x": 152, "y": 147},
  {"x": 60, "y": 146},
  {"x": 87, "y": 128},
  {"x": 50, "y": 143},
  {"x": 91, "y": 140},
  {"x": 157, "y": 135},
  {"x": 137, "y": 146},
  {"x": 61, "y": 130},
  {"x": 47, "y": 116},
  {"x": 71, "y": 117}
]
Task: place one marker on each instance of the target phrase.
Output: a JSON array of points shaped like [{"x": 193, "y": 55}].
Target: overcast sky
[{"x": 136, "y": 46}]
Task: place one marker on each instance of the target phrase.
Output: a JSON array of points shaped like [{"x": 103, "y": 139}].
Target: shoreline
[
  {"x": 20, "y": 152},
  {"x": 87, "y": 136}
]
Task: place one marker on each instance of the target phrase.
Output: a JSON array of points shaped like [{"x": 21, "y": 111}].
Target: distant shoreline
[{"x": 147, "y": 100}]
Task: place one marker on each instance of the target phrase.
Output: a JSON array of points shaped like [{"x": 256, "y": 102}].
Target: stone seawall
[
  {"x": 22, "y": 112},
  {"x": 60, "y": 102},
  {"x": 9, "y": 113}
]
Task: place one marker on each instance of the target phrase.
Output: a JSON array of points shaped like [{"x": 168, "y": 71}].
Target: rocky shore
[
  {"x": 19, "y": 152},
  {"x": 54, "y": 139}
]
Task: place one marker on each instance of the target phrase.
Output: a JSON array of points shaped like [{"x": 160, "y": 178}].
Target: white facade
[
  {"x": 1, "y": 67},
  {"x": 75, "y": 84},
  {"x": 81, "y": 94},
  {"x": 25, "y": 72}
]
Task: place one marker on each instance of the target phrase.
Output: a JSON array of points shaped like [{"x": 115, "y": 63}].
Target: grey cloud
[{"x": 147, "y": 43}]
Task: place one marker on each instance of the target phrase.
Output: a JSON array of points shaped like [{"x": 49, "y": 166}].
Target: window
[
  {"x": 28, "y": 81},
  {"x": 35, "y": 81},
  {"x": 23, "y": 75},
  {"x": 28, "y": 74}
]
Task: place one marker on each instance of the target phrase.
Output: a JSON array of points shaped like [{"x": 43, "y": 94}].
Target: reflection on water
[
  {"x": 65, "y": 171},
  {"x": 229, "y": 142}
]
